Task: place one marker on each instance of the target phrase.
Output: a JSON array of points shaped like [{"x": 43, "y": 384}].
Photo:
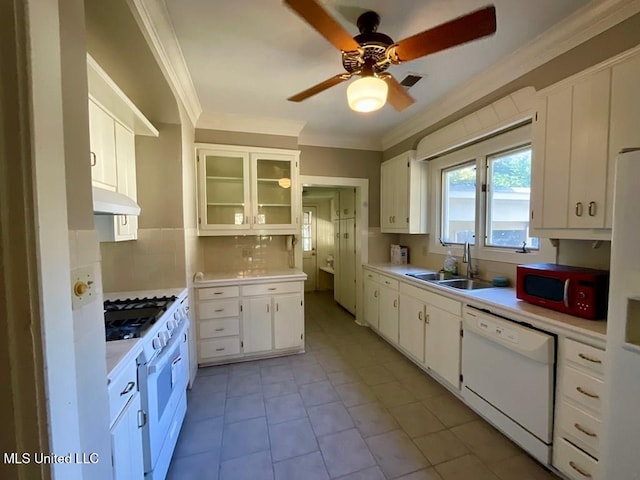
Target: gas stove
[{"x": 131, "y": 318}]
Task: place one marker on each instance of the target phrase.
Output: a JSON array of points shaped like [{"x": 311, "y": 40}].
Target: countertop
[
  {"x": 120, "y": 352},
  {"x": 212, "y": 279},
  {"x": 503, "y": 301}
]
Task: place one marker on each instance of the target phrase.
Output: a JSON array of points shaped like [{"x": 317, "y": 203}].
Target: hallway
[{"x": 351, "y": 408}]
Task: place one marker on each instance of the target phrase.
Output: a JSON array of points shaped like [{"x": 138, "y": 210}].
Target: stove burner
[{"x": 130, "y": 318}]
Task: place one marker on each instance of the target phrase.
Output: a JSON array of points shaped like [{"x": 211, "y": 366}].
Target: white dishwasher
[{"x": 508, "y": 375}]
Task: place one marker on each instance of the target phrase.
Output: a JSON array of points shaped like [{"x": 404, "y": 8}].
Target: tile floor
[{"x": 350, "y": 408}]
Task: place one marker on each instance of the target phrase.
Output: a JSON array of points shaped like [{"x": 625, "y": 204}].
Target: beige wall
[
  {"x": 117, "y": 44},
  {"x": 158, "y": 258},
  {"x": 75, "y": 123},
  {"x": 343, "y": 162},
  {"x": 249, "y": 139},
  {"x": 608, "y": 44},
  {"x": 158, "y": 178}
]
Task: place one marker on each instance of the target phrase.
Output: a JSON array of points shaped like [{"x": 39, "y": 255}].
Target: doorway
[
  {"x": 326, "y": 188},
  {"x": 309, "y": 247}
]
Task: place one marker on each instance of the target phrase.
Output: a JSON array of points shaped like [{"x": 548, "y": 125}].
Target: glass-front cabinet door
[
  {"x": 224, "y": 190},
  {"x": 274, "y": 184}
]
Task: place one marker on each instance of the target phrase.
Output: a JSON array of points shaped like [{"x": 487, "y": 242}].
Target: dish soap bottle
[{"x": 450, "y": 264}]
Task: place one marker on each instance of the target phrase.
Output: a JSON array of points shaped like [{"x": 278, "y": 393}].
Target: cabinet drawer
[
  {"x": 371, "y": 275},
  {"x": 211, "y": 293},
  {"x": 584, "y": 389},
  {"x": 389, "y": 282},
  {"x": 581, "y": 428},
  {"x": 219, "y": 308},
  {"x": 221, "y": 327},
  {"x": 121, "y": 389},
  {"x": 586, "y": 356},
  {"x": 219, "y": 347},
  {"x": 272, "y": 288},
  {"x": 574, "y": 463}
]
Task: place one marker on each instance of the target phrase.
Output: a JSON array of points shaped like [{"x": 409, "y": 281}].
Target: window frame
[{"x": 479, "y": 153}]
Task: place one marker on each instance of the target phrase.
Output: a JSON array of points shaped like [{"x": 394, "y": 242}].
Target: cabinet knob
[
  {"x": 578, "y": 209},
  {"x": 395, "y": 303},
  {"x": 94, "y": 159},
  {"x": 592, "y": 209},
  {"x": 124, "y": 219}
]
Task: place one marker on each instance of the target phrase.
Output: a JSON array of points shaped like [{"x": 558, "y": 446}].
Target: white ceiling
[{"x": 246, "y": 57}]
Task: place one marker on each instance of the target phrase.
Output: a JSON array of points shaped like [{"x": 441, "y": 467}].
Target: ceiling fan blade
[
  {"x": 325, "y": 24},
  {"x": 321, "y": 87},
  {"x": 463, "y": 29},
  {"x": 397, "y": 96}
]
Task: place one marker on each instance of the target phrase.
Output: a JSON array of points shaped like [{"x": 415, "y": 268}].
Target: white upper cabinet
[
  {"x": 403, "y": 195},
  {"x": 114, "y": 121},
  {"x": 103, "y": 147},
  {"x": 579, "y": 128},
  {"x": 244, "y": 189}
]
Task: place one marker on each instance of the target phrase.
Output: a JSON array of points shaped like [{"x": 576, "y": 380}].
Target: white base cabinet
[
  {"x": 425, "y": 326},
  {"x": 371, "y": 298},
  {"x": 126, "y": 420},
  {"x": 126, "y": 443},
  {"x": 236, "y": 322},
  {"x": 578, "y": 418}
]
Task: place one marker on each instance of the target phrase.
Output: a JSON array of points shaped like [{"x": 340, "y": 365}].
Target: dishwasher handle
[{"x": 530, "y": 343}]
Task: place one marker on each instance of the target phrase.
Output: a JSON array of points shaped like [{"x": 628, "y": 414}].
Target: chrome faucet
[{"x": 466, "y": 258}]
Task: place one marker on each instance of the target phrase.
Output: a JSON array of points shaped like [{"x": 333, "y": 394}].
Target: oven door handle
[
  {"x": 565, "y": 294},
  {"x": 167, "y": 355}
]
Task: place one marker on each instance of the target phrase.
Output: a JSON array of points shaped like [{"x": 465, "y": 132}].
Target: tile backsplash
[
  {"x": 245, "y": 253},
  {"x": 154, "y": 261}
]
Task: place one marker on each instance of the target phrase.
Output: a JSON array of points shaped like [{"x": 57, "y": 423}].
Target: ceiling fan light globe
[{"x": 367, "y": 94}]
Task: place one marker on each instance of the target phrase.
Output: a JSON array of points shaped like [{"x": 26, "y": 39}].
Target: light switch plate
[{"x": 82, "y": 286}]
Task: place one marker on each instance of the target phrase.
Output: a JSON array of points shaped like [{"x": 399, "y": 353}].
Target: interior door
[{"x": 309, "y": 247}]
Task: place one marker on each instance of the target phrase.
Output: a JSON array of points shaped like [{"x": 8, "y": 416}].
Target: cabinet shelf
[
  {"x": 270, "y": 180},
  {"x": 226, "y": 179},
  {"x": 225, "y": 204},
  {"x": 274, "y": 205}
]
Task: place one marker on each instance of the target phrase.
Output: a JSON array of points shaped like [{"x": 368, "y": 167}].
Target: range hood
[{"x": 107, "y": 202}]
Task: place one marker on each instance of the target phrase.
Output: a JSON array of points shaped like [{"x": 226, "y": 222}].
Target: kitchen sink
[
  {"x": 427, "y": 276},
  {"x": 464, "y": 283}
]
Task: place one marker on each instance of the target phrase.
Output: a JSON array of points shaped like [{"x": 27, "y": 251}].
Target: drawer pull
[
  {"x": 218, "y": 310},
  {"x": 387, "y": 282},
  {"x": 584, "y": 430},
  {"x": 220, "y": 349},
  {"x": 142, "y": 418},
  {"x": 128, "y": 388},
  {"x": 218, "y": 293},
  {"x": 219, "y": 330},
  {"x": 589, "y": 359},
  {"x": 271, "y": 289},
  {"x": 587, "y": 394},
  {"x": 579, "y": 470}
]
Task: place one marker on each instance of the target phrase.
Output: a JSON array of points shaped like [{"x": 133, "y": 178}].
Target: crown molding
[
  {"x": 250, "y": 124},
  {"x": 584, "y": 24},
  {"x": 153, "y": 18},
  {"x": 340, "y": 141}
]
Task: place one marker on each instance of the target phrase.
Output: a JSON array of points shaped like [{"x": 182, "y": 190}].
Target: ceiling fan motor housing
[{"x": 373, "y": 45}]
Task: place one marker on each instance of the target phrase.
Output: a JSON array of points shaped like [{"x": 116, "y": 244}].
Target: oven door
[{"x": 163, "y": 382}]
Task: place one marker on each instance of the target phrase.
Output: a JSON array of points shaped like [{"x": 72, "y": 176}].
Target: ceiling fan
[{"x": 369, "y": 54}]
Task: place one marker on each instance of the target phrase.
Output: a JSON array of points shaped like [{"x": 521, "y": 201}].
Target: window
[
  {"x": 459, "y": 204},
  {"x": 482, "y": 196},
  {"x": 306, "y": 231},
  {"x": 508, "y": 193}
]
